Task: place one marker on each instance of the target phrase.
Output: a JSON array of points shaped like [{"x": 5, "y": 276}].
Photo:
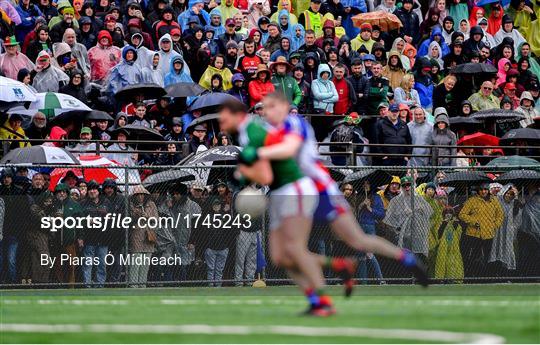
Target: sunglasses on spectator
[{"x": 487, "y": 88}]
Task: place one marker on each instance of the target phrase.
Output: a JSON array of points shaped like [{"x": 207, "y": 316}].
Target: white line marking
[
  {"x": 279, "y": 301},
  {"x": 403, "y": 334}
]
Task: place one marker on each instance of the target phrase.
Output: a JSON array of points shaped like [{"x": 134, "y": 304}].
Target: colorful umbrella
[
  {"x": 479, "y": 139},
  {"x": 51, "y": 104},
  {"x": 98, "y": 168},
  {"x": 386, "y": 21}
]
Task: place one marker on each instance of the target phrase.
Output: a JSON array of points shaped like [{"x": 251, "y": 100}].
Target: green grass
[{"x": 511, "y": 311}]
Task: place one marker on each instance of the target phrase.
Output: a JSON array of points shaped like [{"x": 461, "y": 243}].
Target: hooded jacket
[
  {"x": 411, "y": 23},
  {"x": 165, "y": 57},
  {"x": 49, "y": 79},
  {"x": 441, "y": 138},
  {"x": 328, "y": 24},
  {"x": 206, "y": 78},
  {"x": 470, "y": 45},
  {"x": 324, "y": 91},
  {"x": 421, "y": 134},
  {"x": 10, "y": 65},
  {"x": 394, "y": 74},
  {"x": 288, "y": 86},
  {"x": 487, "y": 214},
  {"x": 218, "y": 29},
  {"x": 529, "y": 112},
  {"x": 513, "y": 34},
  {"x": 435, "y": 32},
  {"x": 103, "y": 58},
  {"x": 56, "y": 133},
  {"x": 183, "y": 18},
  {"x": 174, "y": 77},
  {"x": 125, "y": 73},
  {"x": 297, "y": 41}
]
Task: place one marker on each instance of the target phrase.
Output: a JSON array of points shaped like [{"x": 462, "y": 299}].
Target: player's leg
[{"x": 347, "y": 228}]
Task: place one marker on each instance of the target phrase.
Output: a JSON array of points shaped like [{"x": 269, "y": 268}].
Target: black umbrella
[
  {"x": 162, "y": 180},
  {"x": 474, "y": 68},
  {"x": 529, "y": 135},
  {"x": 184, "y": 90},
  {"x": 140, "y": 133},
  {"x": 464, "y": 178},
  {"x": 204, "y": 119},
  {"x": 338, "y": 174},
  {"x": 519, "y": 177},
  {"x": 379, "y": 177},
  {"x": 464, "y": 120},
  {"x": 80, "y": 116},
  {"x": 150, "y": 91},
  {"x": 211, "y": 100},
  {"x": 222, "y": 154},
  {"x": 39, "y": 155},
  {"x": 513, "y": 161},
  {"x": 498, "y": 115}
]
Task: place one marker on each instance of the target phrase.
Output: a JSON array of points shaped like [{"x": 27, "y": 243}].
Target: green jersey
[{"x": 256, "y": 133}]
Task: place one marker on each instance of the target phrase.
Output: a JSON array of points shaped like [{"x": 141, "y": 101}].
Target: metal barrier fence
[{"x": 62, "y": 231}]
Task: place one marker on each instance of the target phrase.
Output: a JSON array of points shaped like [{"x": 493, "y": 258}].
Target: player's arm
[
  {"x": 259, "y": 172},
  {"x": 287, "y": 148}
]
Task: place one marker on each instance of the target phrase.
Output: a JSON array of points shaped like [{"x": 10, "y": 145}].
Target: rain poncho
[
  {"x": 144, "y": 55},
  {"x": 436, "y": 31},
  {"x": 531, "y": 222},
  {"x": 432, "y": 55},
  {"x": 421, "y": 135},
  {"x": 286, "y": 30},
  {"x": 49, "y": 79},
  {"x": 174, "y": 77},
  {"x": 292, "y": 17},
  {"x": 219, "y": 29},
  {"x": 183, "y": 18},
  {"x": 206, "y": 78},
  {"x": 459, "y": 12},
  {"x": 79, "y": 52},
  {"x": 152, "y": 75},
  {"x": 448, "y": 260},
  {"x": 501, "y": 74},
  {"x": 297, "y": 40},
  {"x": 404, "y": 59},
  {"x": 103, "y": 58},
  {"x": 502, "y": 249},
  {"x": 411, "y": 221},
  {"x": 533, "y": 37},
  {"x": 165, "y": 57},
  {"x": 10, "y": 65},
  {"x": 514, "y": 34},
  {"x": 535, "y": 66},
  {"x": 125, "y": 73}
]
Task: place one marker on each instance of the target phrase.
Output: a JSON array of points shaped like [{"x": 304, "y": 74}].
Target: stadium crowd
[{"x": 396, "y": 87}]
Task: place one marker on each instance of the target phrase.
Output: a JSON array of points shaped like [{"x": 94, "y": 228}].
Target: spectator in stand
[
  {"x": 141, "y": 240},
  {"x": 85, "y": 147},
  {"x": 217, "y": 248},
  {"x": 284, "y": 83},
  {"x": 38, "y": 128},
  {"x": 526, "y": 107},
  {"x": 217, "y": 67},
  {"x": 411, "y": 23},
  {"x": 345, "y": 90},
  {"x": 444, "y": 97},
  {"x": 391, "y": 130},
  {"x": 394, "y": 70},
  {"x": 405, "y": 93},
  {"x": 94, "y": 240},
  {"x": 198, "y": 139},
  {"x": 238, "y": 90},
  {"x": 324, "y": 91},
  {"x": 261, "y": 86},
  {"x": 103, "y": 57},
  {"x": 129, "y": 158},
  {"x": 12, "y": 130},
  {"x": 377, "y": 89},
  {"x": 483, "y": 216},
  {"x": 311, "y": 18},
  {"x": 12, "y": 60},
  {"x": 421, "y": 134},
  {"x": 139, "y": 118},
  {"x": 443, "y": 139},
  {"x": 484, "y": 99}
]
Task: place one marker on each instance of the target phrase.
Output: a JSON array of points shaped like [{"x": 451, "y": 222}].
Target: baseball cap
[
  {"x": 200, "y": 128},
  {"x": 316, "y": 1},
  {"x": 230, "y": 22},
  {"x": 175, "y": 31},
  {"x": 393, "y": 108},
  {"x": 510, "y": 86},
  {"x": 86, "y": 130},
  {"x": 406, "y": 180},
  {"x": 368, "y": 57},
  {"x": 382, "y": 105},
  {"x": 110, "y": 18}
]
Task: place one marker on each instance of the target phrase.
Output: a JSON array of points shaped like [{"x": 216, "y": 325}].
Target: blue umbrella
[{"x": 504, "y": 3}]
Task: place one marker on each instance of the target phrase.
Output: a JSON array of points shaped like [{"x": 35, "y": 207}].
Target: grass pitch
[{"x": 446, "y": 313}]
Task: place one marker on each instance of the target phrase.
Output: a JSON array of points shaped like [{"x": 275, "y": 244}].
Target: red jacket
[
  {"x": 258, "y": 90},
  {"x": 344, "y": 102}
]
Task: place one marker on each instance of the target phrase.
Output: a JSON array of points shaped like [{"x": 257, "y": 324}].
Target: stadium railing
[{"x": 461, "y": 237}]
